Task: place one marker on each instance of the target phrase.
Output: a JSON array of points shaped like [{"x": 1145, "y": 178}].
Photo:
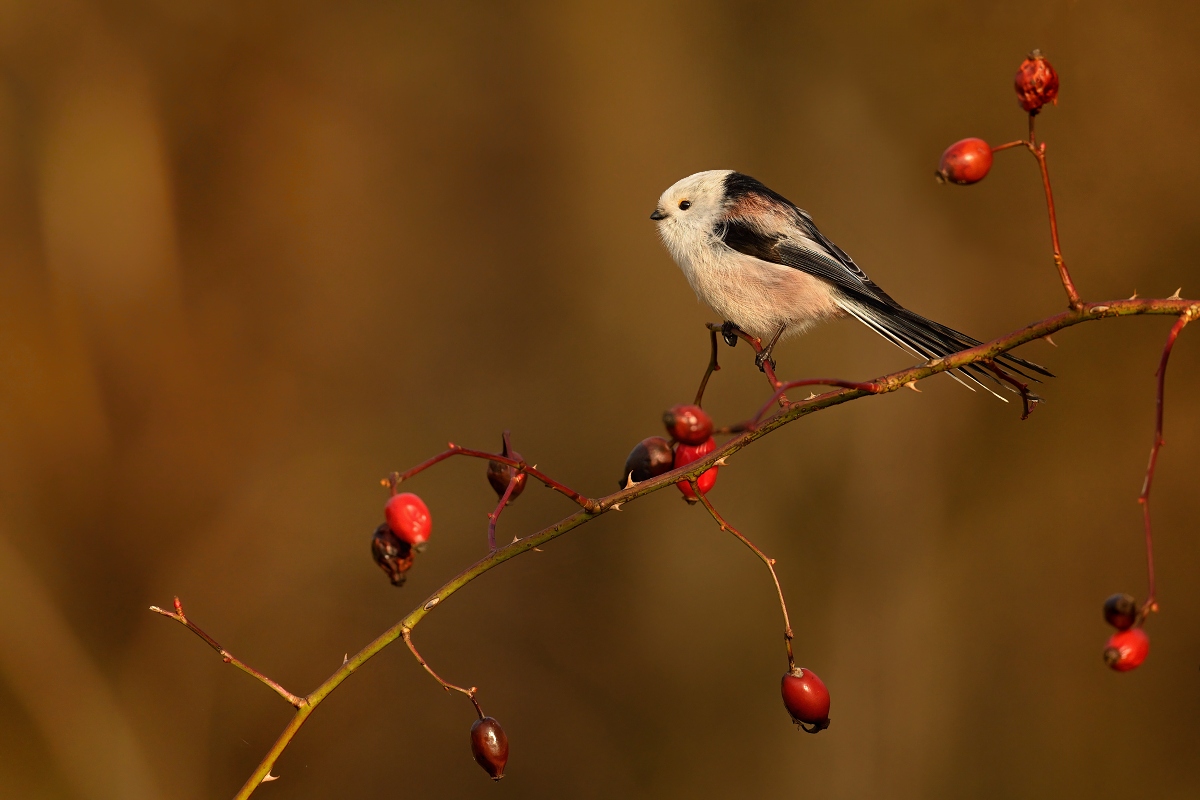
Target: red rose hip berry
[
  {"x": 806, "y": 699},
  {"x": 688, "y": 424},
  {"x": 489, "y": 745},
  {"x": 1126, "y": 650},
  {"x": 1120, "y": 611},
  {"x": 650, "y": 458},
  {"x": 965, "y": 162},
  {"x": 1036, "y": 83},
  {"x": 686, "y": 454},
  {"x": 408, "y": 517}
]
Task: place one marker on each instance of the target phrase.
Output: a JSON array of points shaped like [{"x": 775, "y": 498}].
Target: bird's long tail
[{"x": 925, "y": 338}]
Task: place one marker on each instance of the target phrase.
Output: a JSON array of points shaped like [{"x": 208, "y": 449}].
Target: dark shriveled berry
[
  {"x": 489, "y": 745},
  {"x": 965, "y": 162},
  {"x": 1127, "y": 650},
  {"x": 1121, "y": 611},
  {"x": 499, "y": 474},
  {"x": 393, "y": 555},
  {"x": 650, "y": 458},
  {"x": 806, "y": 699},
  {"x": 688, "y": 424},
  {"x": 1036, "y": 83}
]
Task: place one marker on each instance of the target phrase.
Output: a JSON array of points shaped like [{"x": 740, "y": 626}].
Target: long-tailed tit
[{"x": 761, "y": 263}]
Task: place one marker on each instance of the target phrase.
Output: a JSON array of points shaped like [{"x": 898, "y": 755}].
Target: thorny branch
[
  {"x": 885, "y": 384},
  {"x": 226, "y": 656},
  {"x": 743, "y": 434}
]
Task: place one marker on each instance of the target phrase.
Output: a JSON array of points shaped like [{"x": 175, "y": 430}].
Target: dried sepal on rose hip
[
  {"x": 1121, "y": 611},
  {"x": 648, "y": 459},
  {"x": 1036, "y": 83},
  {"x": 499, "y": 474},
  {"x": 806, "y": 699},
  {"x": 1126, "y": 650},
  {"x": 965, "y": 162},
  {"x": 489, "y": 745},
  {"x": 393, "y": 555},
  {"x": 685, "y": 454},
  {"x": 408, "y": 517},
  {"x": 688, "y": 424}
]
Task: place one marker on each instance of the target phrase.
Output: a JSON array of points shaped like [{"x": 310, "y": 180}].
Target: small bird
[{"x": 760, "y": 262}]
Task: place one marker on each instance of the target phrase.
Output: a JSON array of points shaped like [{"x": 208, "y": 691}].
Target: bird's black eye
[{"x": 684, "y": 205}]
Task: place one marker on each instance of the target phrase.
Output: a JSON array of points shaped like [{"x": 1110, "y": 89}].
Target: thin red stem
[
  {"x": 1173, "y": 306},
  {"x": 1029, "y": 400},
  {"x": 713, "y": 366},
  {"x": 495, "y": 515},
  {"x": 756, "y": 343},
  {"x": 1039, "y": 153},
  {"x": 1007, "y": 145},
  {"x": 396, "y": 478},
  {"x": 470, "y": 693},
  {"x": 770, "y": 562},
  {"x": 226, "y": 656},
  {"x": 1144, "y": 497}
]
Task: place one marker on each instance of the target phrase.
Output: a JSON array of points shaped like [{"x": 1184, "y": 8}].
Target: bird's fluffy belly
[{"x": 760, "y": 296}]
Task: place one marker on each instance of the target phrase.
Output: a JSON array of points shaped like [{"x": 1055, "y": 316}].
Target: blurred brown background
[{"x": 256, "y": 255}]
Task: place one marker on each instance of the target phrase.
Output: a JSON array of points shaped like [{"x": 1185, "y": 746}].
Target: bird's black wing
[
  {"x": 816, "y": 256},
  {"x": 811, "y": 252}
]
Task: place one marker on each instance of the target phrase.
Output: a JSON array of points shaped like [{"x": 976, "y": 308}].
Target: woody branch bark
[{"x": 984, "y": 353}]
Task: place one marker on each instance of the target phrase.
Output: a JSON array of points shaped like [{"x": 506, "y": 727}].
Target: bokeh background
[{"x": 256, "y": 255}]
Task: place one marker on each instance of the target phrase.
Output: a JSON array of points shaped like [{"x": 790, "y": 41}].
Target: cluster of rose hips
[
  {"x": 968, "y": 161},
  {"x": 690, "y": 429},
  {"x": 404, "y": 532},
  {"x": 1128, "y": 647}
]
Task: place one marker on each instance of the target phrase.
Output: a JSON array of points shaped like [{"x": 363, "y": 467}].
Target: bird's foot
[
  {"x": 764, "y": 358},
  {"x": 729, "y": 332}
]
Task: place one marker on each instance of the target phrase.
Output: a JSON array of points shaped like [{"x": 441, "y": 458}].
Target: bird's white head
[{"x": 689, "y": 211}]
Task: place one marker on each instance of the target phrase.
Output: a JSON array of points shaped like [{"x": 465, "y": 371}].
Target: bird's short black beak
[{"x": 658, "y": 214}]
